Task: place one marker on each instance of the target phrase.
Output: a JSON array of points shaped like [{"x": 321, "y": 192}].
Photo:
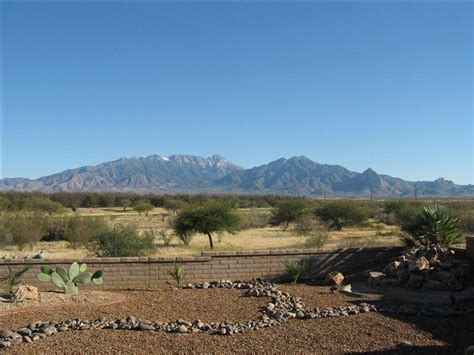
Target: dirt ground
[{"x": 370, "y": 332}]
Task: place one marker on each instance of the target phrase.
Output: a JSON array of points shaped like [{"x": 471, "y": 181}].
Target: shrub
[
  {"x": 305, "y": 226},
  {"x": 13, "y": 279},
  {"x": 316, "y": 239},
  {"x": 435, "y": 225},
  {"x": 253, "y": 219},
  {"x": 178, "y": 274},
  {"x": 165, "y": 236},
  {"x": 121, "y": 241},
  {"x": 296, "y": 268},
  {"x": 23, "y": 229},
  {"x": 338, "y": 214},
  {"x": 289, "y": 211},
  {"x": 80, "y": 229}
]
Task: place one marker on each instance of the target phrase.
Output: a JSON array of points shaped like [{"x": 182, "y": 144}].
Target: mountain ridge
[{"x": 298, "y": 175}]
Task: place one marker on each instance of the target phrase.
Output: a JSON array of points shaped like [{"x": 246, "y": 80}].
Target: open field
[{"x": 249, "y": 239}]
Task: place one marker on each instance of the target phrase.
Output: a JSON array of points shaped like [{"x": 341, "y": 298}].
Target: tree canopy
[{"x": 207, "y": 218}]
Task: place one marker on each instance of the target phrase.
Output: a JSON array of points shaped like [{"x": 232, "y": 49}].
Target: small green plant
[
  {"x": 13, "y": 279},
  {"x": 69, "y": 279},
  {"x": 177, "y": 273},
  {"x": 296, "y": 269}
]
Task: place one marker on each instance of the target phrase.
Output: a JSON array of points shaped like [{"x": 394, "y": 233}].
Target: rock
[
  {"x": 415, "y": 280},
  {"x": 16, "y": 341},
  {"x": 182, "y": 329},
  {"x": 223, "y": 331},
  {"x": 334, "y": 278},
  {"x": 374, "y": 278},
  {"x": 4, "y": 333},
  {"x": 419, "y": 264},
  {"x": 27, "y": 292},
  {"x": 391, "y": 269},
  {"x": 390, "y": 282},
  {"x": 143, "y": 326},
  {"x": 5, "y": 344},
  {"x": 443, "y": 276},
  {"x": 405, "y": 344},
  {"x": 435, "y": 285},
  {"x": 24, "y": 332}
]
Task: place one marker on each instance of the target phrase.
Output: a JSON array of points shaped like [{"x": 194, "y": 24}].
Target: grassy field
[{"x": 266, "y": 237}]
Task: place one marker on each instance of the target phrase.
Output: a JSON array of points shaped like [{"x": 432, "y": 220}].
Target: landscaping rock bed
[{"x": 281, "y": 307}]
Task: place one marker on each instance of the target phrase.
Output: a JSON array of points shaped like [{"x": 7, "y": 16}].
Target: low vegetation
[
  {"x": 296, "y": 269},
  {"x": 73, "y": 225},
  {"x": 178, "y": 274},
  {"x": 69, "y": 280}
]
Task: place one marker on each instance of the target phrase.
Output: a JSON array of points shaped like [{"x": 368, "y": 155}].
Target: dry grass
[{"x": 250, "y": 239}]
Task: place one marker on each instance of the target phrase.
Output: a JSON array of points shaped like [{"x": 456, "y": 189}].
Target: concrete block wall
[{"x": 152, "y": 272}]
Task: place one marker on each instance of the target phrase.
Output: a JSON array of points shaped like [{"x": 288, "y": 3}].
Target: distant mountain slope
[
  {"x": 154, "y": 173},
  {"x": 187, "y": 173}
]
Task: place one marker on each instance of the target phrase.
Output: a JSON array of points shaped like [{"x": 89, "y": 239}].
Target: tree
[
  {"x": 43, "y": 204},
  {"x": 338, "y": 214},
  {"x": 5, "y": 203},
  {"x": 125, "y": 203},
  {"x": 143, "y": 206},
  {"x": 434, "y": 225},
  {"x": 289, "y": 211},
  {"x": 208, "y": 218},
  {"x": 173, "y": 205}
]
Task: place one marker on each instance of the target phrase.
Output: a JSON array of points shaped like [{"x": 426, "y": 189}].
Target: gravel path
[{"x": 359, "y": 333}]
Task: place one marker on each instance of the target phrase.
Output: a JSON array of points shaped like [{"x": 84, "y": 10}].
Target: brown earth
[{"x": 371, "y": 332}]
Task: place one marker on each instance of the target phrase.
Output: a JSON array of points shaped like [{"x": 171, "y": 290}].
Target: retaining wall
[{"x": 152, "y": 272}]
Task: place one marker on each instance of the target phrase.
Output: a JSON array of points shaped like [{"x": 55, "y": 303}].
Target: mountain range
[{"x": 188, "y": 173}]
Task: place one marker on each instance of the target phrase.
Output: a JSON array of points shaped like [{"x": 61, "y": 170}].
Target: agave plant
[
  {"x": 435, "y": 225},
  {"x": 12, "y": 279},
  {"x": 177, "y": 273},
  {"x": 69, "y": 279},
  {"x": 296, "y": 268}
]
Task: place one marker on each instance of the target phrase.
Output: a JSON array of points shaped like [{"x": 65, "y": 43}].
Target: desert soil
[{"x": 370, "y": 332}]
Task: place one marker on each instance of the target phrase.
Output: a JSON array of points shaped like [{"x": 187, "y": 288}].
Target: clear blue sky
[{"x": 381, "y": 85}]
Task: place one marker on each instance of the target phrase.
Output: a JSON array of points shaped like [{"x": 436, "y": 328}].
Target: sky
[{"x": 358, "y": 84}]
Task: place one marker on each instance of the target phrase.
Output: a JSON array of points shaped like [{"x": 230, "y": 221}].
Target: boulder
[
  {"x": 390, "y": 282},
  {"x": 419, "y": 264},
  {"x": 334, "y": 278},
  {"x": 27, "y": 292},
  {"x": 391, "y": 269},
  {"x": 374, "y": 278},
  {"x": 415, "y": 280}
]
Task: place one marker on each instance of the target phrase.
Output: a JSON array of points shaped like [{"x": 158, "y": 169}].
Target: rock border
[{"x": 281, "y": 308}]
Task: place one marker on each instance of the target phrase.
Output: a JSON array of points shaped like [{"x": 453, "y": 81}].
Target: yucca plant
[
  {"x": 13, "y": 279},
  {"x": 435, "y": 225},
  {"x": 177, "y": 273},
  {"x": 296, "y": 268}
]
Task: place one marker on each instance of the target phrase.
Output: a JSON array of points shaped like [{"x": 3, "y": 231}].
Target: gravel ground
[{"x": 370, "y": 332}]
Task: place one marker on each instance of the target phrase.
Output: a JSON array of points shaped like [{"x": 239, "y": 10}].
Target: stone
[
  {"x": 435, "y": 285},
  {"x": 4, "y": 333},
  {"x": 143, "y": 326},
  {"x": 415, "y": 280},
  {"x": 24, "y": 332},
  {"x": 391, "y": 269},
  {"x": 419, "y": 264},
  {"x": 5, "y": 344},
  {"x": 405, "y": 344},
  {"x": 27, "y": 292},
  {"x": 390, "y": 282},
  {"x": 374, "y": 278},
  {"x": 334, "y": 278},
  {"x": 182, "y": 329}
]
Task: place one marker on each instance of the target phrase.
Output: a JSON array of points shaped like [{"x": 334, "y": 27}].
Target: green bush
[
  {"x": 143, "y": 206},
  {"x": 178, "y": 274},
  {"x": 22, "y": 229},
  {"x": 296, "y": 269},
  {"x": 121, "y": 241},
  {"x": 253, "y": 218},
  {"x": 316, "y": 239},
  {"x": 435, "y": 225}
]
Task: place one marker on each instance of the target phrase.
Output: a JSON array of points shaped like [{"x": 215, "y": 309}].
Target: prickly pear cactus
[{"x": 69, "y": 279}]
